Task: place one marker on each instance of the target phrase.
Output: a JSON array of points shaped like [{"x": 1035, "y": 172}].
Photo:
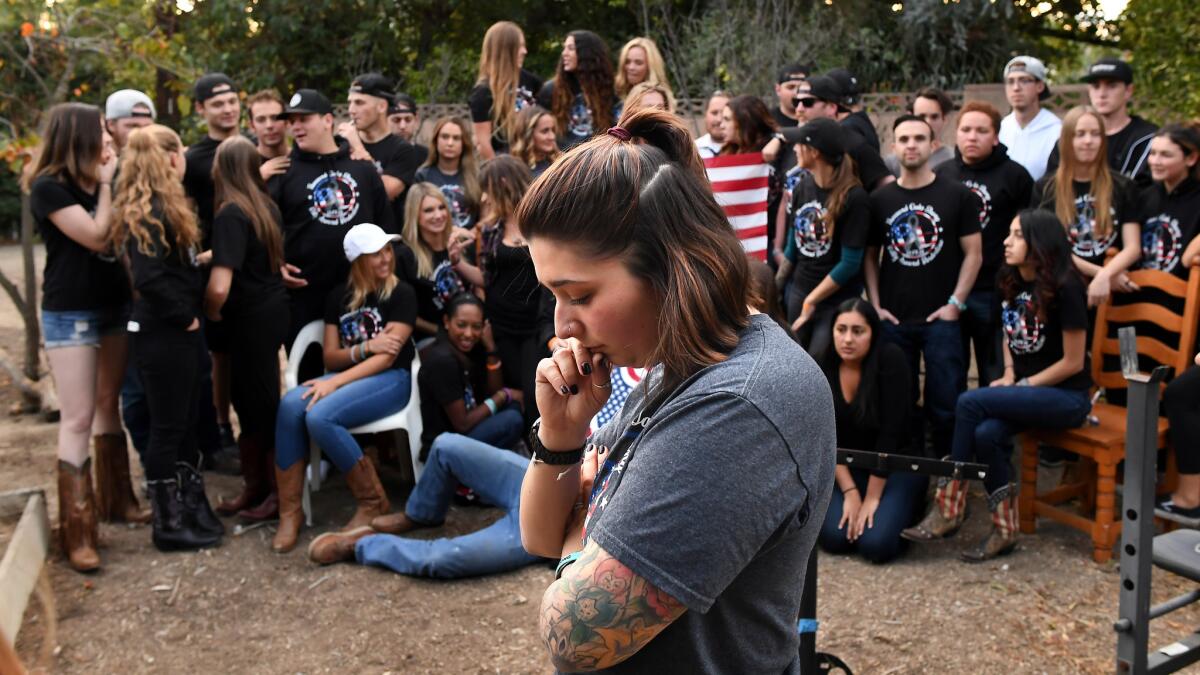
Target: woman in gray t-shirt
[{"x": 690, "y": 518}]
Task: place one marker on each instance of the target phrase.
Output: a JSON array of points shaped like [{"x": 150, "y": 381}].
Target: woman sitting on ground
[
  {"x": 462, "y": 388},
  {"x": 1045, "y": 384},
  {"x": 368, "y": 323},
  {"x": 869, "y": 379}
]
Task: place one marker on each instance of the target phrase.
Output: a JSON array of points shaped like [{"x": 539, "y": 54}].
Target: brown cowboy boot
[
  {"x": 115, "y": 500},
  {"x": 268, "y": 508},
  {"x": 946, "y": 514},
  {"x": 78, "y": 528},
  {"x": 1003, "y": 537},
  {"x": 334, "y": 547},
  {"x": 372, "y": 500},
  {"x": 290, "y": 482},
  {"x": 255, "y": 485}
]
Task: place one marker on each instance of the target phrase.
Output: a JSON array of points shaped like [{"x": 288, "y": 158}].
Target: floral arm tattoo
[{"x": 600, "y": 613}]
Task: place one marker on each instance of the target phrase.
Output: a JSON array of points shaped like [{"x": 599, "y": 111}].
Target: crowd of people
[{"x": 175, "y": 274}]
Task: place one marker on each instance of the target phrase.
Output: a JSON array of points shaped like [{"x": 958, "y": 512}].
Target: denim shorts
[{"x": 82, "y": 328}]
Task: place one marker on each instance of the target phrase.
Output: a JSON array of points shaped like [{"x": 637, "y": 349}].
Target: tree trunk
[{"x": 33, "y": 332}]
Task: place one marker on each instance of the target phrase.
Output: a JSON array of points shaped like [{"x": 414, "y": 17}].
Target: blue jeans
[
  {"x": 940, "y": 343},
  {"x": 495, "y": 475},
  {"x": 980, "y": 325},
  {"x": 328, "y": 423},
  {"x": 898, "y": 508},
  {"x": 989, "y": 416},
  {"x": 501, "y": 430}
]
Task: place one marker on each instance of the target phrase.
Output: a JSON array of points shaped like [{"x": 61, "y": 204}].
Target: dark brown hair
[
  {"x": 934, "y": 94},
  {"x": 755, "y": 126},
  {"x": 593, "y": 76},
  {"x": 647, "y": 201},
  {"x": 1186, "y": 135},
  {"x": 1047, "y": 248},
  {"x": 72, "y": 145},
  {"x": 237, "y": 182},
  {"x": 504, "y": 179},
  {"x": 982, "y": 107}
]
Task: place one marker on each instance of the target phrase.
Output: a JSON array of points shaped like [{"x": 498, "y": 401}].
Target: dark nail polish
[
  {"x": 574, "y": 389},
  {"x": 564, "y": 390},
  {"x": 587, "y": 369}
]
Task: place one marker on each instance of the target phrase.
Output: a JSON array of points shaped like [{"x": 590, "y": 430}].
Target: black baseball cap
[
  {"x": 824, "y": 88},
  {"x": 403, "y": 103},
  {"x": 848, "y": 83},
  {"x": 374, "y": 84},
  {"x": 212, "y": 84},
  {"x": 306, "y": 101},
  {"x": 1109, "y": 68},
  {"x": 823, "y": 134},
  {"x": 794, "y": 71}
]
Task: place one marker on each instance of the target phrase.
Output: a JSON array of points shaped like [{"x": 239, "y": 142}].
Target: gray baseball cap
[
  {"x": 121, "y": 104},
  {"x": 1033, "y": 67}
]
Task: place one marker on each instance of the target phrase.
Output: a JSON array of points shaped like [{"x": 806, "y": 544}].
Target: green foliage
[{"x": 1162, "y": 35}]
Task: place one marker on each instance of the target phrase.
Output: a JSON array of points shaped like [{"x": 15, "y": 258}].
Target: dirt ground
[{"x": 242, "y": 609}]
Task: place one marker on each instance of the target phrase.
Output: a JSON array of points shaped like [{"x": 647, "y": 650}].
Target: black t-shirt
[
  {"x": 444, "y": 379},
  {"x": 198, "y": 182},
  {"x": 512, "y": 292},
  {"x": 861, "y": 123},
  {"x": 1036, "y": 344},
  {"x": 480, "y": 102},
  {"x": 462, "y": 211},
  {"x": 580, "y": 124},
  {"x": 1081, "y": 232},
  {"x": 434, "y": 291},
  {"x": 256, "y": 283},
  {"x": 919, "y": 232},
  {"x": 75, "y": 278},
  {"x": 817, "y": 252},
  {"x": 1003, "y": 188},
  {"x": 399, "y": 159},
  {"x": 1169, "y": 223},
  {"x": 362, "y": 324},
  {"x": 867, "y": 163},
  {"x": 888, "y": 432}
]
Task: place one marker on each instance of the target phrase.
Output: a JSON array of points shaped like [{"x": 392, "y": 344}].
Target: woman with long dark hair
[
  {"x": 1045, "y": 383},
  {"x": 747, "y": 124},
  {"x": 154, "y": 224},
  {"x": 724, "y": 453},
  {"x": 246, "y": 294},
  {"x": 1094, "y": 203},
  {"x": 581, "y": 96},
  {"x": 502, "y": 88},
  {"x": 869, "y": 379},
  {"x": 829, "y": 215},
  {"x": 85, "y": 304}
]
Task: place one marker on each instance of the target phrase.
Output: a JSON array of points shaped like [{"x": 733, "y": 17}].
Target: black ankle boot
[
  {"x": 196, "y": 510},
  {"x": 170, "y": 531}
]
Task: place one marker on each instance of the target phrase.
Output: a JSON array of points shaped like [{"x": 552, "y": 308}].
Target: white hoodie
[{"x": 1030, "y": 147}]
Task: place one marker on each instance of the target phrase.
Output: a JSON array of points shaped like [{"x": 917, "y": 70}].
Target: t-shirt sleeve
[
  {"x": 48, "y": 196},
  {"x": 230, "y": 232},
  {"x": 1072, "y": 306},
  {"x": 406, "y": 261},
  {"x": 401, "y": 305},
  {"x": 877, "y": 222},
  {"x": 445, "y": 377},
  {"x": 421, "y": 175},
  {"x": 968, "y": 213},
  {"x": 690, "y": 527},
  {"x": 871, "y": 168},
  {"x": 856, "y": 219},
  {"x": 480, "y": 103},
  {"x": 1123, "y": 202}
]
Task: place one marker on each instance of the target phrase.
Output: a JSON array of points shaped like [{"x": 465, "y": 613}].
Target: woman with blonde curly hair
[
  {"x": 639, "y": 61},
  {"x": 536, "y": 144},
  {"x": 154, "y": 224}
]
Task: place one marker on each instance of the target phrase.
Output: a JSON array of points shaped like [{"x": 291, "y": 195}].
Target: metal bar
[
  {"x": 886, "y": 461},
  {"x": 1137, "y": 531},
  {"x": 1175, "y": 656},
  {"x": 1173, "y": 604}
]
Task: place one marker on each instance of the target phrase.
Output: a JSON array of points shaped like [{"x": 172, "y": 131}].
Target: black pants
[
  {"x": 254, "y": 342},
  {"x": 520, "y": 356},
  {"x": 169, "y": 367},
  {"x": 1182, "y": 403},
  {"x": 304, "y": 307}
]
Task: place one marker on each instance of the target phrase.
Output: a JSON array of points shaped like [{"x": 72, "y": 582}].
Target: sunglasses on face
[{"x": 806, "y": 102}]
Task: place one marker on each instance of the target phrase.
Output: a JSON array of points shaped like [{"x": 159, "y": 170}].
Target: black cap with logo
[
  {"x": 1109, "y": 68},
  {"x": 307, "y": 101}
]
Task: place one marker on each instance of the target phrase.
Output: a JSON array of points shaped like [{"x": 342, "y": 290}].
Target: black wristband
[{"x": 545, "y": 456}]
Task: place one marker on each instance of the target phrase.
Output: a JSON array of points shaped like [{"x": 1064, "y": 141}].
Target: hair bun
[{"x": 665, "y": 131}]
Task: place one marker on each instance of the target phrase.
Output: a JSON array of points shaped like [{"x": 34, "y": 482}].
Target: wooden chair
[{"x": 1104, "y": 443}]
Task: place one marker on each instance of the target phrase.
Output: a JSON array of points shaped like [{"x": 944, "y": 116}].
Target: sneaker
[{"x": 1165, "y": 505}]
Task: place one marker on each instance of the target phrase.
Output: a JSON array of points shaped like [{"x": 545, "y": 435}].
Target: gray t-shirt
[{"x": 717, "y": 501}]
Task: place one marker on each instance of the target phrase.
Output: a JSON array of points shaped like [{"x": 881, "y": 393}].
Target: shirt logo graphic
[
  {"x": 1082, "y": 232},
  {"x": 459, "y": 213},
  {"x": 808, "y": 228},
  {"x": 1026, "y": 333},
  {"x": 359, "y": 325},
  {"x": 915, "y": 235},
  {"x": 579, "y": 123},
  {"x": 333, "y": 198},
  {"x": 1162, "y": 243},
  {"x": 985, "y": 199}
]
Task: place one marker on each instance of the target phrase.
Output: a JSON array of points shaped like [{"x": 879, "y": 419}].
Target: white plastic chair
[{"x": 408, "y": 419}]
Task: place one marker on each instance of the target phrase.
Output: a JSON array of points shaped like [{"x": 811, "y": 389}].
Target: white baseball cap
[
  {"x": 366, "y": 238},
  {"x": 121, "y": 104}
]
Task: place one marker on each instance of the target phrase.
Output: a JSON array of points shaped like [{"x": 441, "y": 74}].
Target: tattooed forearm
[{"x": 601, "y": 613}]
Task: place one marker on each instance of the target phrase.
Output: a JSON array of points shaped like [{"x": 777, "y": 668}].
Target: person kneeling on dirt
[{"x": 493, "y": 473}]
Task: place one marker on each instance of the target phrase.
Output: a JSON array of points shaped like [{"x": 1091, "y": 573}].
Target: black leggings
[
  {"x": 1182, "y": 403},
  {"x": 520, "y": 356},
  {"x": 254, "y": 357},
  {"x": 169, "y": 366}
]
